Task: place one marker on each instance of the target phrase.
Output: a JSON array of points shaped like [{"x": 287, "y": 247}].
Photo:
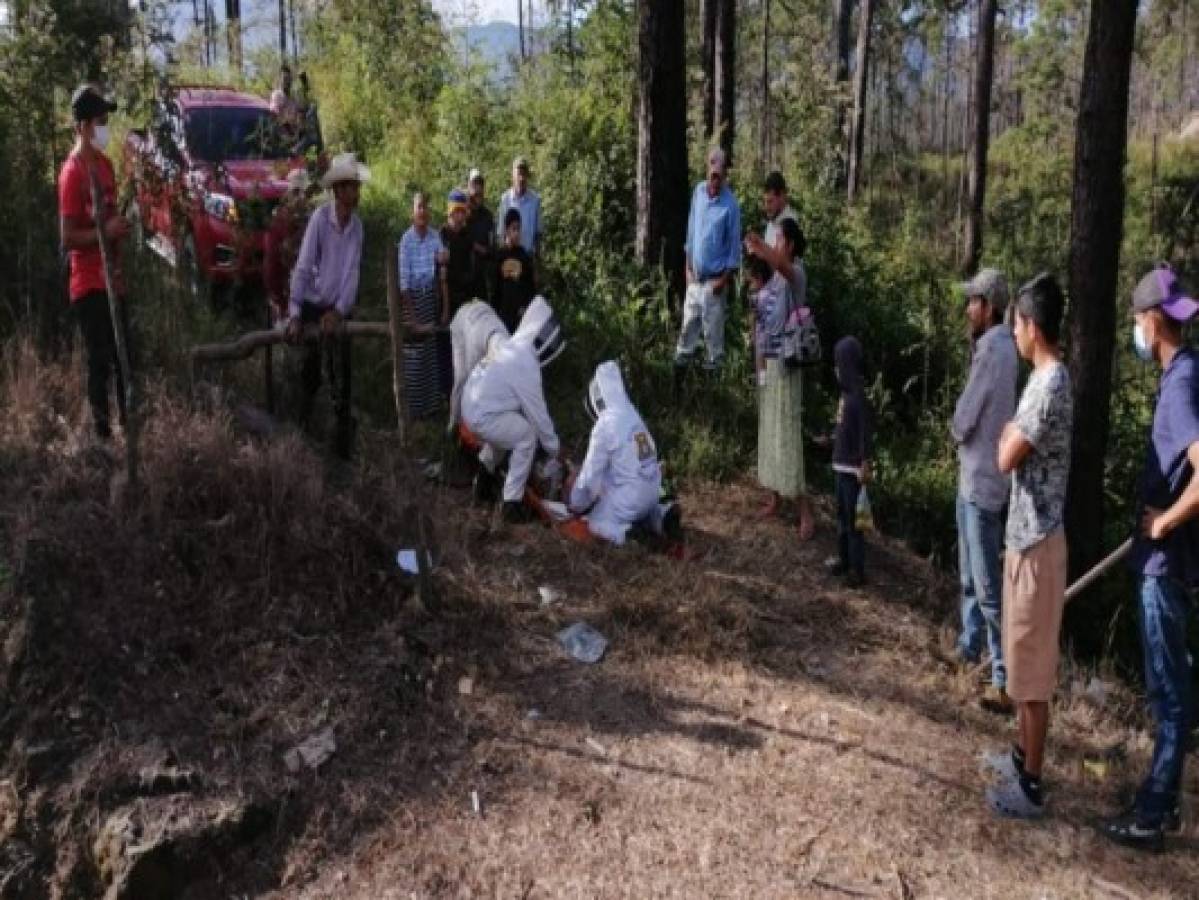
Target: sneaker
[
  {"x": 1000, "y": 764},
  {"x": 1008, "y": 799},
  {"x": 995, "y": 700},
  {"x": 1172, "y": 823},
  {"x": 516, "y": 513},
  {"x": 1128, "y": 831},
  {"x": 835, "y": 567},
  {"x": 672, "y": 522}
]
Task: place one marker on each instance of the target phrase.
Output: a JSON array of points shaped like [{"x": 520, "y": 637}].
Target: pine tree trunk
[
  {"x": 842, "y": 19},
  {"x": 520, "y": 24},
  {"x": 1096, "y": 230},
  {"x": 984, "y": 65},
  {"x": 233, "y": 33},
  {"x": 764, "y": 125},
  {"x": 707, "y": 52},
  {"x": 725, "y": 119},
  {"x": 861, "y": 73},
  {"x": 662, "y": 137},
  {"x": 295, "y": 38},
  {"x": 947, "y": 86},
  {"x": 282, "y": 29}
]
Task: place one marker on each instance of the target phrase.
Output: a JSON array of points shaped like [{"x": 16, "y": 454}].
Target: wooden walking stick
[
  {"x": 1100, "y": 569},
  {"x": 115, "y": 304}
]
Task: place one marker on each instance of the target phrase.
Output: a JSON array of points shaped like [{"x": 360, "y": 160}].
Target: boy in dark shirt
[
  {"x": 515, "y": 283},
  {"x": 851, "y": 459}
]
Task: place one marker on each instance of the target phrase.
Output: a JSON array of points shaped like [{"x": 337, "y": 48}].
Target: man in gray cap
[
  {"x": 986, "y": 404},
  {"x": 1165, "y": 552}
]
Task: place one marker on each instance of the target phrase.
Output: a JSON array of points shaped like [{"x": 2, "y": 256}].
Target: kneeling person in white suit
[
  {"x": 476, "y": 332},
  {"x": 503, "y": 404},
  {"x": 620, "y": 481}
]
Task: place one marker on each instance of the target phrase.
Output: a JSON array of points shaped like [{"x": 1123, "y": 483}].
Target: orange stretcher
[{"x": 573, "y": 529}]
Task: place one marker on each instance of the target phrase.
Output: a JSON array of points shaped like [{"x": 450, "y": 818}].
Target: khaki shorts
[{"x": 1034, "y": 594}]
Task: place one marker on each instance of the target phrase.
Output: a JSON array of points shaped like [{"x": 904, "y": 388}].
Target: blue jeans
[
  {"x": 851, "y": 544},
  {"x": 1164, "y": 610},
  {"x": 980, "y": 550}
]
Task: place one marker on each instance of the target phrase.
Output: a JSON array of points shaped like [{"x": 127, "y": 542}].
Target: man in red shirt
[{"x": 77, "y": 223}]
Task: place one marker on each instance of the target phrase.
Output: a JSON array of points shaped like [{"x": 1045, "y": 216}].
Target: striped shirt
[{"x": 418, "y": 260}]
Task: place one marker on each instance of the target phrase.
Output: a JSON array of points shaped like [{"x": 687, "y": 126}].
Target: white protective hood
[
  {"x": 509, "y": 380},
  {"x": 621, "y": 470},
  {"x": 540, "y": 331}
]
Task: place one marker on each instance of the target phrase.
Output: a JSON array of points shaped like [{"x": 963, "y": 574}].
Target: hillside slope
[{"x": 755, "y": 729}]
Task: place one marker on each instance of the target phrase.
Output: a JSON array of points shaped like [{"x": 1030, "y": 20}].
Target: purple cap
[{"x": 1160, "y": 287}]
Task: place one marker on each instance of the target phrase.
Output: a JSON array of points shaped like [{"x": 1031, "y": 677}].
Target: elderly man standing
[
  {"x": 525, "y": 201},
  {"x": 324, "y": 289},
  {"x": 713, "y": 257},
  {"x": 987, "y": 403}
]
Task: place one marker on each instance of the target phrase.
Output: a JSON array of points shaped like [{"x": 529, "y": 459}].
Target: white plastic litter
[
  {"x": 583, "y": 642},
  {"x": 408, "y": 561},
  {"x": 557, "y": 511},
  {"x": 550, "y": 595},
  {"x": 312, "y": 752}
]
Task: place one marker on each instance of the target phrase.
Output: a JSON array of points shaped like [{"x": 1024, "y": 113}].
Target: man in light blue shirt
[
  {"x": 713, "y": 257},
  {"x": 526, "y": 201},
  {"x": 986, "y": 404}
]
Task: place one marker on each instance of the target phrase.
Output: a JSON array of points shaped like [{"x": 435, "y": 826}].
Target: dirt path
[{"x": 743, "y": 738}]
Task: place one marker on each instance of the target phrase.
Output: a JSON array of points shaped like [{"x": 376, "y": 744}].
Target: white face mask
[
  {"x": 100, "y": 138},
  {"x": 1140, "y": 344}
]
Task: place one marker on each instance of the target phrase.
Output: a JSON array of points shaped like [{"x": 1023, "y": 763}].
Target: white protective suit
[
  {"x": 475, "y": 332},
  {"x": 620, "y": 475},
  {"x": 504, "y": 405}
]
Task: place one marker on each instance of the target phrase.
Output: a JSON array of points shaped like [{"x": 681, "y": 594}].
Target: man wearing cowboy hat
[{"x": 324, "y": 289}]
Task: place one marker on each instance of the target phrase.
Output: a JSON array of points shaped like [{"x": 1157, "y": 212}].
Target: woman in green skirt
[{"x": 780, "y": 394}]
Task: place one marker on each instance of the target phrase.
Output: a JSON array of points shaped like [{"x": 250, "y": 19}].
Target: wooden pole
[
  {"x": 268, "y": 370},
  {"x": 118, "y": 330},
  {"x": 244, "y": 346},
  {"x": 396, "y": 330}
]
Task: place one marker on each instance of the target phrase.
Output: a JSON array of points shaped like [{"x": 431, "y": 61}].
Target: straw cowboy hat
[{"x": 345, "y": 167}]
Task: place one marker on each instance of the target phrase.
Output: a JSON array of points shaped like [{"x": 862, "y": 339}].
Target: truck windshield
[{"x": 218, "y": 133}]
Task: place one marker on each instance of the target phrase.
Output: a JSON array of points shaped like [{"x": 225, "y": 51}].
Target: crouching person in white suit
[
  {"x": 476, "y": 332},
  {"x": 620, "y": 482},
  {"x": 503, "y": 404}
]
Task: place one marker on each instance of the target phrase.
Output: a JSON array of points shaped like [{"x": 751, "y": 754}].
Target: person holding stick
[
  {"x": 1165, "y": 552},
  {"x": 78, "y": 219}
]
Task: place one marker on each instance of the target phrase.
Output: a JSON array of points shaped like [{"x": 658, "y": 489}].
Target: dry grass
[{"x": 755, "y": 731}]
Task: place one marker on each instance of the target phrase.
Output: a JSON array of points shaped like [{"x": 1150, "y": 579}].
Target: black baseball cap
[{"x": 88, "y": 103}]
